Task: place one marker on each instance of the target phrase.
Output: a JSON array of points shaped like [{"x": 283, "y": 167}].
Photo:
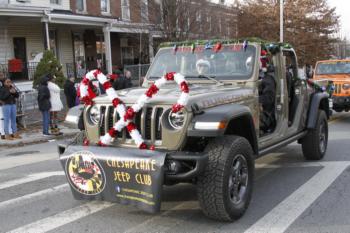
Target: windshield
[
  {"x": 334, "y": 67},
  {"x": 232, "y": 62}
]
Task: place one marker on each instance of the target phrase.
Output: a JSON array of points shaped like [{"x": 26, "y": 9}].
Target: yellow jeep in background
[{"x": 337, "y": 71}]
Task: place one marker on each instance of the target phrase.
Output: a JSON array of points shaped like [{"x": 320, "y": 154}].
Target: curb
[{"x": 39, "y": 140}]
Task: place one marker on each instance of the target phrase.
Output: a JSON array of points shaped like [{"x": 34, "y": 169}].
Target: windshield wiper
[{"x": 212, "y": 78}]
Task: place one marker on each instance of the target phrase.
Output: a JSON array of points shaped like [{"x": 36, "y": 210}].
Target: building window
[
  {"x": 198, "y": 16},
  {"x": 101, "y": 52},
  {"x": 128, "y": 55},
  {"x": 80, "y": 5},
  {"x": 144, "y": 11},
  {"x": 79, "y": 55},
  {"x": 125, "y": 10},
  {"x": 57, "y": 2},
  {"x": 105, "y": 6},
  {"x": 53, "y": 42},
  {"x": 210, "y": 23}
]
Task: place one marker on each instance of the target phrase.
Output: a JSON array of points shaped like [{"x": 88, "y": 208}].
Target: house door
[
  {"x": 20, "y": 52},
  {"x": 20, "y": 48}
]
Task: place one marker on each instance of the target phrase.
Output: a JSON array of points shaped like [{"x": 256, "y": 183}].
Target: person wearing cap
[{"x": 203, "y": 66}]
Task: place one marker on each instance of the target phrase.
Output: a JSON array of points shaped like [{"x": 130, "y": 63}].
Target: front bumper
[
  {"x": 341, "y": 102},
  {"x": 178, "y": 166},
  {"x": 126, "y": 176}
]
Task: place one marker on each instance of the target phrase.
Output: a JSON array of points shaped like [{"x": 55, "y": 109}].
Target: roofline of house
[
  {"x": 8, "y": 10},
  {"x": 113, "y": 24}
]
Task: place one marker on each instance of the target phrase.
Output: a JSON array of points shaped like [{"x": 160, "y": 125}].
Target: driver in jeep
[{"x": 267, "y": 95}]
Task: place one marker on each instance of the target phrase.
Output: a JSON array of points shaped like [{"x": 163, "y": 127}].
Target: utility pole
[{"x": 281, "y": 20}]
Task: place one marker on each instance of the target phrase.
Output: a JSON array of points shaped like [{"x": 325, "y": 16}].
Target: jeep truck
[
  {"x": 337, "y": 71},
  {"x": 212, "y": 142}
]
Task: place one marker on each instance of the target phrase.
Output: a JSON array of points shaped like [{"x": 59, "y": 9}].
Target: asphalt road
[{"x": 290, "y": 195}]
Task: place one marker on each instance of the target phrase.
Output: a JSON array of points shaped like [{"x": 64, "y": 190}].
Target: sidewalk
[{"x": 33, "y": 134}]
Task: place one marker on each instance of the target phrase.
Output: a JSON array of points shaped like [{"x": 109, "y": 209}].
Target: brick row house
[{"x": 86, "y": 34}]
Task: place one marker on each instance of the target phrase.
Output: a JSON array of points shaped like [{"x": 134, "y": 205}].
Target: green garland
[
  {"x": 273, "y": 47},
  {"x": 329, "y": 88}
]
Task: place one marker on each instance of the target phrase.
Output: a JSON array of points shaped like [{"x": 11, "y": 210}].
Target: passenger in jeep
[{"x": 203, "y": 66}]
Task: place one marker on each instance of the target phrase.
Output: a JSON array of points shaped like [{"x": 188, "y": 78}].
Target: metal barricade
[{"x": 27, "y": 108}]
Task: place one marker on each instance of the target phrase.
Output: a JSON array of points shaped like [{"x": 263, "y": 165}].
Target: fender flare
[
  {"x": 315, "y": 103},
  {"x": 223, "y": 113}
]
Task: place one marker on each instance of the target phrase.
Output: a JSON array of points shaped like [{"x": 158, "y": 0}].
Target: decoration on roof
[
  {"x": 193, "y": 47},
  {"x": 245, "y": 45},
  {"x": 272, "y": 47},
  {"x": 217, "y": 47},
  {"x": 127, "y": 114},
  {"x": 175, "y": 48},
  {"x": 208, "y": 45}
]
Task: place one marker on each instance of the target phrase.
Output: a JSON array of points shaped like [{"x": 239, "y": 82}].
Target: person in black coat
[
  {"x": 267, "y": 98},
  {"x": 44, "y": 104},
  {"x": 70, "y": 92}
]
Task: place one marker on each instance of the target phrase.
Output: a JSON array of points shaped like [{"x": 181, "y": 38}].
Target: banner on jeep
[{"x": 133, "y": 177}]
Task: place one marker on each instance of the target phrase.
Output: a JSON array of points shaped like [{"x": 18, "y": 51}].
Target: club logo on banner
[{"x": 85, "y": 173}]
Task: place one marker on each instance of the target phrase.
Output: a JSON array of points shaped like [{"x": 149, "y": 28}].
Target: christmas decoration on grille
[{"x": 127, "y": 114}]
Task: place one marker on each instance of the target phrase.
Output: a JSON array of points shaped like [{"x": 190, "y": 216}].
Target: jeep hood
[
  {"x": 334, "y": 77},
  {"x": 203, "y": 95}
]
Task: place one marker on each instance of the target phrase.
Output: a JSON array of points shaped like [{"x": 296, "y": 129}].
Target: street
[{"x": 290, "y": 195}]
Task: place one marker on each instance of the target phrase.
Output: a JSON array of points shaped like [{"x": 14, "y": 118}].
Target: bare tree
[
  {"x": 195, "y": 19},
  {"x": 310, "y": 25}
]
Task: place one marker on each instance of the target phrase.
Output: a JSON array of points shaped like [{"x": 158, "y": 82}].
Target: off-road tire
[
  {"x": 214, "y": 196},
  {"x": 312, "y": 142}
]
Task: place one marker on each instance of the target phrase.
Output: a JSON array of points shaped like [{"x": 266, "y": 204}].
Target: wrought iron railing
[{"x": 25, "y": 73}]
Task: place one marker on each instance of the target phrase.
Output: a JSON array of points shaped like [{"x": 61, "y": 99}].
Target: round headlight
[
  {"x": 346, "y": 86},
  {"x": 95, "y": 115},
  {"x": 177, "y": 120}
]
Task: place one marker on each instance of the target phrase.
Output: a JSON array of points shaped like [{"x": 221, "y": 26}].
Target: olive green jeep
[{"x": 213, "y": 141}]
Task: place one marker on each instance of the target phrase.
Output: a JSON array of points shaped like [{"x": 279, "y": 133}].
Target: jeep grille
[
  {"x": 147, "y": 121},
  {"x": 337, "y": 88}
]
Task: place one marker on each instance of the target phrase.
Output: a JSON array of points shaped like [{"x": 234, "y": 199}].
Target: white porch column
[
  {"x": 107, "y": 37},
  {"x": 47, "y": 35}
]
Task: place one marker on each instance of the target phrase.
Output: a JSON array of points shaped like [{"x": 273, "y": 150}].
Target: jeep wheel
[
  {"x": 315, "y": 142},
  {"x": 225, "y": 188}
]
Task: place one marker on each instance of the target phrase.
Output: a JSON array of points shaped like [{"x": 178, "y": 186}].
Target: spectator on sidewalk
[
  {"x": 128, "y": 78},
  {"x": 70, "y": 92},
  {"x": 56, "y": 104},
  {"x": 44, "y": 104},
  {"x": 2, "y": 131},
  {"x": 8, "y": 95},
  {"x": 123, "y": 81}
]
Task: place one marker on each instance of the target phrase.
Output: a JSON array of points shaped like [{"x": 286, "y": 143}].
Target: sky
[{"x": 342, "y": 9}]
